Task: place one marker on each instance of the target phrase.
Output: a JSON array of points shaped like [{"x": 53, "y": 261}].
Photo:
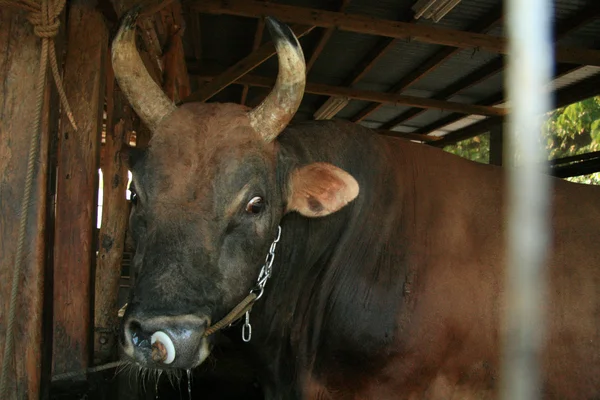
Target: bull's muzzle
[{"x": 165, "y": 341}]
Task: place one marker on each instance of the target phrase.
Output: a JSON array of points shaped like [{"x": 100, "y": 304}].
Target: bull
[{"x": 360, "y": 266}]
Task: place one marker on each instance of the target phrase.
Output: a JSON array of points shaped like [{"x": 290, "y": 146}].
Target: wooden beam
[
  {"x": 368, "y": 62},
  {"x": 483, "y": 25},
  {"x": 382, "y": 27},
  {"x": 493, "y": 67},
  {"x": 373, "y": 56},
  {"x": 572, "y": 94},
  {"x": 581, "y": 168},
  {"x": 77, "y": 188},
  {"x": 241, "y": 68},
  {"x": 176, "y": 82},
  {"x": 325, "y": 36},
  {"x": 572, "y": 159},
  {"x": 27, "y": 374},
  {"x": 114, "y": 222},
  {"x": 260, "y": 28},
  {"x": 580, "y": 91},
  {"x": 196, "y": 35},
  {"x": 387, "y": 98},
  {"x": 408, "y": 135},
  {"x": 469, "y": 131},
  {"x": 479, "y": 75}
]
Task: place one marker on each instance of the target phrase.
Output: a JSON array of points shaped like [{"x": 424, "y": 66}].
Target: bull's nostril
[
  {"x": 138, "y": 337},
  {"x": 163, "y": 349}
]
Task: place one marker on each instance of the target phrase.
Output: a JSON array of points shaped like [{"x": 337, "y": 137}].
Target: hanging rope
[{"x": 44, "y": 17}]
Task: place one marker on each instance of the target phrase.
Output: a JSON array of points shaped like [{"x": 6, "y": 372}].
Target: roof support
[
  {"x": 485, "y": 24},
  {"x": 498, "y": 98},
  {"x": 372, "y": 57},
  {"x": 381, "y": 27},
  {"x": 493, "y": 67},
  {"x": 386, "y": 98},
  {"x": 260, "y": 28},
  {"x": 582, "y": 90},
  {"x": 241, "y": 68},
  {"x": 325, "y": 36}
]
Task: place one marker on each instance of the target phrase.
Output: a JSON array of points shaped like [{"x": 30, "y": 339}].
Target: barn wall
[
  {"x": 77, "y": 188},
  {"x": 19, "y": 63}
]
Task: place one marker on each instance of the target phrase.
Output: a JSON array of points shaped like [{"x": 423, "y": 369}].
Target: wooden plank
[
  {"x": 241, "y": 68},
  {"x": 175, "y": 76},
  {"x": 489, "y": 21},
  {"x": 19, "y": 61},
  {"x": 387, "y": 98},
  {"x": 115, "y": 208},
  {"x": 382, "y": 27},
  {"x": 77, "y": 188}
]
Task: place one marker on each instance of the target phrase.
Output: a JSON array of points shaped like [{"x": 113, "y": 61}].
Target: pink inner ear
[{"x": 320, "y": 189}]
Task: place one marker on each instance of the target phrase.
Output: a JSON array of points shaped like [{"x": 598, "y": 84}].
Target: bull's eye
[{"x": 255, "y": 206}]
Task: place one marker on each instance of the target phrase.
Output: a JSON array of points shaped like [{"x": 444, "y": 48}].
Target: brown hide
[{"x": 450, "y": 347}]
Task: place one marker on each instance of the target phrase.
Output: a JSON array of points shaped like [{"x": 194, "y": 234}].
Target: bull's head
[{"x": 208, "y": 201}]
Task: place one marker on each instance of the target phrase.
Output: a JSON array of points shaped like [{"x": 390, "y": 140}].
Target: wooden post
[
  {"x": 496, "y": 143},
  {"x": 77, "y": 187},
  {"x": 176, "y": 82},
  {"x": 19, "y": 61},
  {"x": 114, "y": 222}
]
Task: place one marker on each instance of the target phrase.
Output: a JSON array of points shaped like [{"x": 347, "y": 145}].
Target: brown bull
[{"x": 388, "y": 275}]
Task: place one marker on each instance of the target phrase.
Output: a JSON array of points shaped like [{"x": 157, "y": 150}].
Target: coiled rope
[{"x": 44, "y": 18}]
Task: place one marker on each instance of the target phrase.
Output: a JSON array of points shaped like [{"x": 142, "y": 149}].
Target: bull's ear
[{"x": 320, "y": 189}]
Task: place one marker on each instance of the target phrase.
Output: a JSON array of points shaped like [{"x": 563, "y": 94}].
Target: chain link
[{"x": 259, "y": 289}]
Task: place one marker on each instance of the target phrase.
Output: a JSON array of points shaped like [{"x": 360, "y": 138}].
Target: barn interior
[{"x": 429, "y": 71}]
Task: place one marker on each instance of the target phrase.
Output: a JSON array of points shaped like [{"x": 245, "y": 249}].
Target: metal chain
[{"x": 263, "y": 277}]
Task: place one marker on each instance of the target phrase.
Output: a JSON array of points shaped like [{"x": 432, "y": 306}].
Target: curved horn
[
  {"x": 146, "y": 97},
  {"x": 271, "y": 116}
]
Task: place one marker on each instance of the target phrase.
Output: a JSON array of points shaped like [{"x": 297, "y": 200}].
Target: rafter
[
  {"x": 388, "y": 98},
  {"x": 408, "y": 135},
  {"x": 241, "y": 68},
  {"x": 493, "y": 100},
  {"x": 325, "y": 36},
  {"x": 382, "y": 27},
  {"x": 431, "y": 64},
  {"x": 260, "y": 28},
  {"x": 372, "y": 57},
  {"x": 563, "y": 97},
  {"x": 590, "y": 13}
]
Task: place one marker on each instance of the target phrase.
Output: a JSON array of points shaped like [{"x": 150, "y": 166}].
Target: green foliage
[
  {"x": 575, "y": 129},
  {"x": 476, "y": 148},
  {"x": 570, "y": 130}
]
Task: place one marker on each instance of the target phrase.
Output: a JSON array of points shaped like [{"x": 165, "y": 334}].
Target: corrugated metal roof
[{"x": 227, "y": 39}]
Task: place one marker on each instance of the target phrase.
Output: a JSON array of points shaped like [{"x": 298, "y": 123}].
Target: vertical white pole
[{"x": 529, "y": 71}]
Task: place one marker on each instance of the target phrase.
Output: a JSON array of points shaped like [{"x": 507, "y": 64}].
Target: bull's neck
[{"x": 322, "y": 267}]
